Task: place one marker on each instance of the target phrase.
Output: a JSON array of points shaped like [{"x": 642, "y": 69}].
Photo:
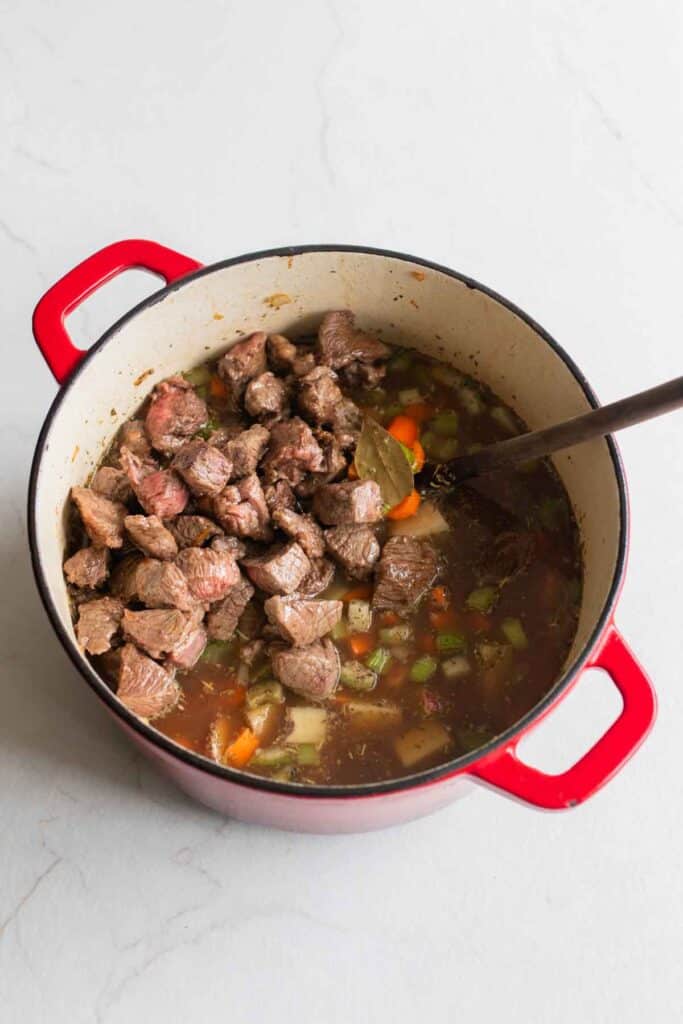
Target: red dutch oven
[{"x": 199, "y": 313}]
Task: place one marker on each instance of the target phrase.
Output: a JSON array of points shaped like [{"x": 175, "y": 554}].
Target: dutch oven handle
[
  {"x": 49, "y": 329},
  {"x": 505, "y": 771}
]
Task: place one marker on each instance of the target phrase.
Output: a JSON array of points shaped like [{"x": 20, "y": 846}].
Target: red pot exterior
[{"x": 316, "y": 809}]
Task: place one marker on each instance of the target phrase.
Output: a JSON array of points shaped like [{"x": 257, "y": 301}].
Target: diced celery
[
  {"x": 447, "y": 375},
  {"x": 357, "y": 676},
  {"x": 339, "y": 630},
  {"x": 396, "y": 634},
  {"x": 271, "y": 757},
  {"x": 482, "y": 599},
  {"x": 401, "y": 361},
  {"x": 360, "y": 616},
  {"x": 378, "y": 660},
  {"x": 409, "y": 396},
  {"x": 309, "y": 725},
  {"x": 200, "y": 375},
  {"x": 447, "y": 642},
  {"x": 217, "y": 651},
  {"x": 470, "y": 400},
  {"x": 504, "y": 419},
  {"x": 307, "y": 754},
  {"x": 455, "y": 668},
  {"x": 471, "y": 737},
  {"x": 439, "y": 449},
  {"x": 423, "y": 669},
  {"x": 421, "y": 742},
  {"x": 513, "y": 631},
  {"x": 269, "y": 692},
  {"x": 445, "y": 424},
  {"x": 389, "y": 411}
]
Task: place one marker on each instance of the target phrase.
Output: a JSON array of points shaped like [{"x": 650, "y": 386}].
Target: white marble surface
[{"x": 535, "y": 145}]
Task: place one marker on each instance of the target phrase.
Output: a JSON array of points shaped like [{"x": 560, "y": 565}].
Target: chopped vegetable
[
  {"x": 471, "y": 737},
  {"x": 269, "y": 692},
  {"x": 513, "y": 631},
  {"x": 340, "y": 630},
  {"x": 402, "y": 652},
  {"x": 439, "y": 449},
  {"x": 396, "y": 674},
  {"x": 401, "y": 361},
  {"x": 447, "y": 642},
  {"x": 373, "y": 716},
  {"x": 420, "y": 412},
  {"x": 264, "y": 721},
  {"x": 199, "y": 376},
  {"x": 360, "y": 593},
  {"x": 404, "y": 430},
  {"x": 427, "y": 642},
  {"x": 423, "y": 669},
  {"x": 478, "y": 622},
  {"x": 418, "y": 457},
  {"x": 447, "y": 375},
  {"x": 455, "y": 668},
  {"x": 445, "y": 424},
  {"x": 217, "y": 388},
  {"x": 378, "y": 660},
  {"x": 357, "y": 676},
  {"x": 217, "y": 651},
  {"x": 426, "y": 522},
  {"x": 406, "y": 508},
  {"x": 360, "y": 643},
  {"x": 482, "y": 599},
  {"x": 409, "y": 396},
  {"x": 444, "y": 620},
  {"x": 309, "y": 725},
  {"x": 389, "y": 618},
  {"x": 307, "y": 754},
  {"x": 504, "y": 419},
  {"x": 240, "y": 751},
  {"x": 396, "y": 634},
  {"x": 360, "y": 616},
  {"x": 421, "y": 742},
  {"x": 470, "y": 400},
  {"x": 207, "y": 430},
  {"x": 410, "y": 456},
  {"x": 272, "y": 757},
  {"x": 379, "y": 457},
  {"x": 352, "y": 472}
]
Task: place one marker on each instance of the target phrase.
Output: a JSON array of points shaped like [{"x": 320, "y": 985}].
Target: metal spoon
[{"x": 538, "y": 443}]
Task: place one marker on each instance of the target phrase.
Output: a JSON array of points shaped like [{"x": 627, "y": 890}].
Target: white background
[{"x": 535, "y": 145}]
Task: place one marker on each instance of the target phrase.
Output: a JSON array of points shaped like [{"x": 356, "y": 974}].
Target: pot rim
[{"x": 307, "y": 790}]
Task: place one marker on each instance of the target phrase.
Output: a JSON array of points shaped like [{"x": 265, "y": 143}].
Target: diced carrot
[
  {"x": 404, "y": 429},
  {"x": 233, "y": 697},
  {"x": 406, "y": 508},
  {"x": 341, "y": 698},
  {"x": 396, "y": 674},
  {"x": 352, "y": 472},
  {"x": 217, "y": 388},
  {"x": 419, "y": 453},
  {"x": 427, "y": 642},
  {"x": 361, "y": 643},
  {"x": 389, "y": 619},
  {"x": 479, "y": 622},
  {"x": 439, "y": 597},
  {"x": 444, "y": 620},
  {"x": 419, "y": 411},
  {"x": 242, "y": 749},
  {"x": 363, "y": 592}
]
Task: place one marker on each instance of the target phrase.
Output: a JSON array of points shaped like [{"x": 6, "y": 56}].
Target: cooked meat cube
[
  {"x": 293, "y": 451},
  {"x": 159, "y": 631},
  {"x": 133, "y": 436},
  {"x": 204, "y": 469},
  {"x": 98, "y": 621},
  {"x": 210, "y": 574},
  {"x": 123, "y": 581},
  {"x": 353, "y": 501},
  {"x": 144, "y": 687},
  {"x": 280, "y": 570},
  {"x": 334, "y": 464},
  {"x": 112, "y": 483},
  {"x": 363, "y": 375},
  {"x": 299, "y": 621},
  {"x": 102, "y": 518},
  {"x": 160, "y": 492},
  {"x": 162, "y": 585},
  {"x": 88, "y": 568},
  {"x": 318, "y": 579},
  {"x": 319, "y": 394},
  {"x": 347, "y": 423},
  {"x": 223, "y": 618},
  {"x": 312, "y": 671},
  {"x": 286, "y": 357},
  {"x": 150, "y": 535},
  {"x": 175, "y": 413},
  {"x": 187, "y": 653},
  {"x": 279, "y": 496},
  {"x": 301, "y": 528},
  {"x": 242, "y": 511},
  {"x": 340, "y": 342},
  {"x": 266, "y": 396},
  {"x": 404, "y": 572},
  {"x": 246, "y": 449},
  {"x": 355, "y": 548},
  {"x": 229, "y": 545},
  {"x": 241, "y": 363},
  {"x": 193, "y": 531}
]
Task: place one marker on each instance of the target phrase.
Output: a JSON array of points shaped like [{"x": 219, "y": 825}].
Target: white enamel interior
[{"x": 409, "y": 303}]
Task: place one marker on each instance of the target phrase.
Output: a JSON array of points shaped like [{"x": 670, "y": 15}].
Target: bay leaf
[{"x": 380, "y": 457}]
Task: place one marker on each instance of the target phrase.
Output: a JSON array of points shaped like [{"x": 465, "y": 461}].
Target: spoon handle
[{"x": 538, "y": 443}]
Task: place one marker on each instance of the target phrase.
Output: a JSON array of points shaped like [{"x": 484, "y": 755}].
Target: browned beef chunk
[
  {"x": 229, "y": 545},
  {"x": 293, "y": 452},
  {"x": 210, "y": 574},
  {"x": 150, "y": 535},
  {"x": 159, "y": 631},
  {"x": 242, "y": 511},
  {"x": 241, "y": 363},
  {"x": 246, "y": 449},
  {"x": 187, "y": 653},
  {"x": 144, "y": 687},
  {"x": 98, "y": 622},
  {"x": 159, "y": 491},
  {"x": 123, "y": 581},
  {"x": 355, "y": 548},
  {"x": 175, "y": 413},
  {"x": 279, "y": 496},
  {"x": 162, "y": 585},
  {"x": 334, "y": 464},
  {"x": 403, "y": 574},
  {"x": 113, "y": 484},
  {"x": 353, "y": 501},
  {"x": 347, "y": 423},
  {"x": 363, "y": 375},
  {"x": 303, "y": 529},
  {"x": 204, "y": 469},
  {"x": 88, "y": 568},
  {"x": 223, "y": 618},
  {"x": 280, "y": 570},
  {"x": 102, "y": 518},
  {"x": 286, "y": 357},
  {"x": 319, "y": 394},
  {"x": 340, "y": 342},
  {"x": 193, "y": 531},
  {"x": 317, "y": 579},
  {"x": 266, "y": 397},
  {"x": 299, "y": 621},
  {"x": 133, "y": 436},
  {"x": 312, "y": 671}
]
